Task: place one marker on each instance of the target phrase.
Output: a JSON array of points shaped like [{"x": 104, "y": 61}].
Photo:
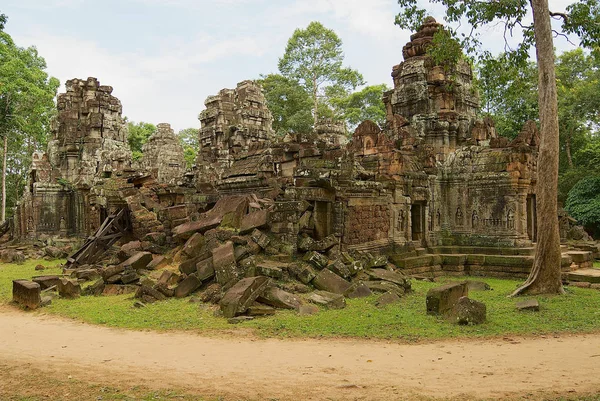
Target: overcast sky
[{"x": 164, "y": 57}]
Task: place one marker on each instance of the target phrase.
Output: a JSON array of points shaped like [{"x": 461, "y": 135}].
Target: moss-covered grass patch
[{"x": 576, "y": 312}]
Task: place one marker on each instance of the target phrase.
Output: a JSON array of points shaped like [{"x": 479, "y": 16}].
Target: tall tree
[
  {"x": 139, "y": 133},
  {"x": 366, "y": 104},
  {"x": 289, "y": 103},
  {"x": 313, "y": 57},
  {"x": 581, "y": 18},
  {"x": 26, "y": 102},
  {"x": 189, "y": 140}
]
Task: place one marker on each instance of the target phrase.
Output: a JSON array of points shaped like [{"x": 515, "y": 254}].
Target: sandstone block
[
  {"x": 239, "y": 297},
  {"x": 387, "y": 298},
  {"x": 278, "y": 298},
  {"x": 468, "y": 311},
  {"x": 190, "y": 284},
  {"x": 441, "y": 300},
  {"x": 253, "y": 220},
  {"x": 46, "y": 282},
  {"x": 529, "y": 304},
  {"x": 224, "y": 263},
  {"x": 329, "y": 281},
  {"x": 27, "y": 293},
  {"x": 358, "y": 290},
  {"x": 69, "y": 288},
  {"x": 328, "y": 299},
  {"x": 316, "y": 259},
  {"x": 138, "y": 261}
]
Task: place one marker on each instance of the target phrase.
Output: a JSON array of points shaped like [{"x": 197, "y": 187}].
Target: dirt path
[{"x": 300, "y": 370}]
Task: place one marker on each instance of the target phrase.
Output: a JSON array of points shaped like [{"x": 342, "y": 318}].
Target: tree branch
[{"x": 564, "y": 16}]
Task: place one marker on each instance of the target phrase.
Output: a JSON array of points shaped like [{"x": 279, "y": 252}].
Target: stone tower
[
  {"x": 439, "y": 102},
  {"x": 164, "y": 156}
]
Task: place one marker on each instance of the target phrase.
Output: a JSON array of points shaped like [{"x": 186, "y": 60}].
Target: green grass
[
  {"x": 10, "y": 272},
  {"x": 576, "y": 312}
]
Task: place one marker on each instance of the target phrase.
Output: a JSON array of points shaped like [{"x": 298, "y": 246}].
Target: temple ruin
[{"x": 433, "y": 191}]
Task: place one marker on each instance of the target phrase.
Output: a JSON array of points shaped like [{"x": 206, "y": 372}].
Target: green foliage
[
  {"x": 26, "y": 108},
  {"x": 509, "y": 92},
  {"x": 189, "y": 140},
  {"x": 313, "y": 58},
  {"x": 583, "y": 202},
  {"x": 366, "y": 104},
  {"x": 139, "y": 133},
  {"x": 289, "y": 103}
]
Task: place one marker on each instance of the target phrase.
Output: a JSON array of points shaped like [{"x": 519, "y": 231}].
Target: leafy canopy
[
  {"x": 189, "y": 140},
  {"x": 313, "y": 58},
  {"x": 138, "y": 135},
  {"x": 583, "y": 202}
]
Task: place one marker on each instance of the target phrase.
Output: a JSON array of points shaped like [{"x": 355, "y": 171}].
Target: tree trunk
[
  {"x": 316, "y": 104},
  {"x": 568, "y": 148},
  {"x": 4, "y": 178},
  {"x": 545, "y": 276}
]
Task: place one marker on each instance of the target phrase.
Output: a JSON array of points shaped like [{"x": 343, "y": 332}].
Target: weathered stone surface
[
  {"x": 114, "y": 289},
  {"x": 239, "y": 297},
  {"x": 205, "y": 269},
  {"x": 129, "y": 249},
  {"x": 377, "y": 261},
  {"x": 387, "y": 275},
  {"x": 138, "y": 261},
  {"x": 328, "y": 299},
  {"x": 529, "y": 304},
  {"x": 441, "y": 300},
  {"x": 110, "y": 271},
  {"x": 468, "y": 311},
  {"x": 260, "y": 238},
  {"x": 387, "y": 298},
  {"x": 193, "y": 246},
  {"x": 86, "y": 274},
  {"x": 308, "y": 309},
  {"x": 224, "y": 263},
  {"x": 158, "y": 261},
  {"x": 340, "y": 269},
  {"x": 168, "y": 277},
  {"x": 257, "y": 309},
  {"x": 27, "y": 294},
  {"x": 163, "y": 155},
  {"x": 270, "y": 269},
  {"x": 95, "y": 289},
  {"x": 478, "y": 286},
  {"x": 253, "y": 220},
  {"x": 385, "y": 286},
  {"x": 46, "y": 282},
  {"x": 129, "y": 277},
  {"x": 149, "y": 294},
  {"x": 69, "y": 288},
  {"x": 277, "y": 298},
  {"x": 316, "y": 259},
  {"x": 184, "y": 231},
  {"x": 190, "y": 284},
  {"x": 329, "y": 281},
  {"x": 358, "y": 290},
  {"x": 303, "y": 272}
]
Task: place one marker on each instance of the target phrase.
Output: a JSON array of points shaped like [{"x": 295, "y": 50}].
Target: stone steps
[{"x": 585, "y": 275}]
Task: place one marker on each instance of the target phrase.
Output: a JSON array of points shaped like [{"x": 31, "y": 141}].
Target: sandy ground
[{"x": 250, "y": 368}]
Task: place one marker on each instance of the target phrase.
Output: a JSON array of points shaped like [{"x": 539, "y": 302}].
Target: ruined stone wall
[
  {"x": 163, "y": 156},
  {"x": 235, "y": 122}
]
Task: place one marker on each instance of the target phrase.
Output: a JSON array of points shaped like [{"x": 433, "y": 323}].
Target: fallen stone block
[
  {"x": 385, "y": 286},
  {"x": 128, "y": 250},
  {"x": 164, "y": 289},
  {"x": 387, "y": 298},
  {"x": 193, "y": 246},
  {"x": 303, "y": 272},
  {"x": 358, "y": 290},
  {"x": 316, "y": 259},
  {"x": 95, "y": 289},
  {"x": 86, "y": 274},
  {"x": 239, "y": 297},
  {"x": 46, "y": 282},
  {"x": 478, "y": 286},
  {"x": 114, "y": 289},
  {"x": 239, "y": 319},
  {"x": 148, "y": 294},
  {"x": 129, "y": 277},
  {"x": 138, "y": 261},
  {"x": 388, "y": 275},
  {"x": 468, "y": 311},
  {"x": 340, "y": 269},
  {"x": 184, "y": 231},
  {"x": 69, "y": 288},
  {"x": 168, "y": 277},
  {"x": 205, "y": 269},
  {"x": 270, "y": 269},
  {"x": 158, "y": 261},
  {"x": 324, "y": 244},
  {"x": 258, "y": 309},
  {"x": 278, "y": 298},
  {"x": 27, "y": 294},
  {"x": 377, "y": 261},
  {"x": 328, "y": 299},
  {"x": 441, "y": 300},
  {"x": 529, "y": 305},
  {"x": 308, "y": 309},
  {"x": 110, "y": 271},
  {"x": 260, "y": 238},
  {"x": 224, "y": 263},
  {"x": 190, "y": 284},
  {"x": 327, "y": 280},
  {"x": 254, "y": 220}
]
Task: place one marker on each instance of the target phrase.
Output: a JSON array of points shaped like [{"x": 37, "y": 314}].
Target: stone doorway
[
  {"x": 531, "y": 218},
  {"x": 417, "y": 216},
  {"x": 323, "y": 217}
]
